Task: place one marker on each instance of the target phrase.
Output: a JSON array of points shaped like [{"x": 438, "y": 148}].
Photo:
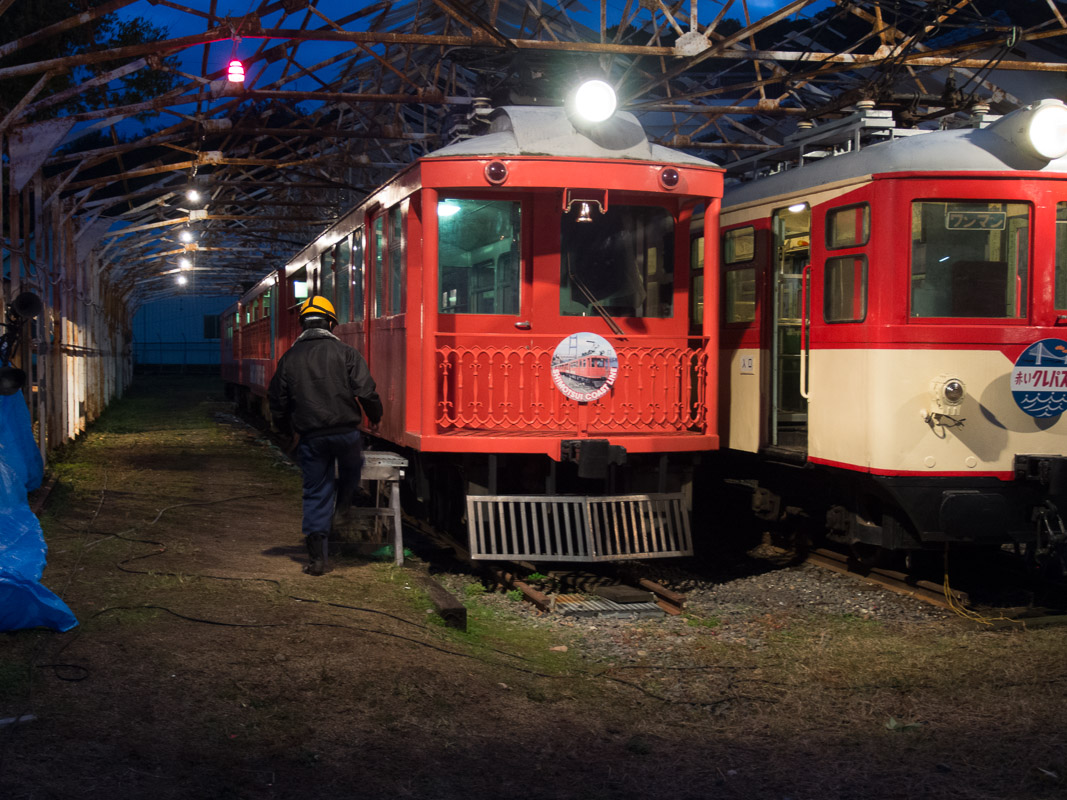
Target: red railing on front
[
  {"x": 255, "y": 339},
  {"x": 658, "y": 390}
]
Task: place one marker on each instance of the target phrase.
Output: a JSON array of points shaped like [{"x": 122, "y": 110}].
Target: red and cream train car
[
  {"x": 470, "y": 277},
  {"x": 894, "y": 335}
]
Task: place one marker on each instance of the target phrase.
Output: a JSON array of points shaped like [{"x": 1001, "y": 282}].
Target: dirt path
[{"x": 207, "y": 665}]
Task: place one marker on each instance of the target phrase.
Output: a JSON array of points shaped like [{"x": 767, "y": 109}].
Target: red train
[{"x": 469, "y": 277}]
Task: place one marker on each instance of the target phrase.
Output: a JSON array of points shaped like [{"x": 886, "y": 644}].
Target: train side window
[
  {"x": 478, "y": 256},
  {"x": 377, "y": 276},
  {"x": 738, "y": 245},
  {"x": 622, "y": 261},
  {"x": 357, "y": 275},
  {"x": 845, "y": 292},
  {"x": 848, "y": 226},
  {"x": 740, "y": 295},
  {"x": 342, "y": 269},
  {"x": 1061, "y": 255},
  {"x": 969, "y": 259},
  {"x": 327, "y": 282},
  {"x": 397, "y": 244},
  {"x": 696, "y": 269}
]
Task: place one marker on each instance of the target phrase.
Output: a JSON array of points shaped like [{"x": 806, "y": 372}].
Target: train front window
[
  {"x": 969, "y": 259},
  {"x": 621, "y": 261},
  {"x": 478, "y": 252},
  {"x": 1061, "y": 255}
]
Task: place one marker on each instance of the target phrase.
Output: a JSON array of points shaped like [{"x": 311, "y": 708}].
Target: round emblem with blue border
[{"x": 1039, "y": 379}]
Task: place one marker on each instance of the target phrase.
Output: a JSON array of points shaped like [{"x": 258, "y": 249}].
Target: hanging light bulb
[
  {"x": 186, "y": 235},
  {"x": 182, "y": 280},
  {"x": 193, "y": 195},
  {"x": 184, "y": 263},
  {"x": 236, "y": 71}
]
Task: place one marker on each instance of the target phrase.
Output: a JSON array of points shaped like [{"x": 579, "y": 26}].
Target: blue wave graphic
[{"x": 1042, "y": 405}]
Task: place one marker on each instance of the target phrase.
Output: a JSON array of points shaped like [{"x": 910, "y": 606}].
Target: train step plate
[{"x": 576, "y": 605}]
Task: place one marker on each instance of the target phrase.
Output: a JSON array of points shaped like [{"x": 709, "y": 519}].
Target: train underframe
[
  {"x": 598, "y": 503},
  {"x": 875, "y": 514}
]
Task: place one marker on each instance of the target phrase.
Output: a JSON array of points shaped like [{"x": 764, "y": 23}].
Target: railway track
[{"x": 899, "y": 582}]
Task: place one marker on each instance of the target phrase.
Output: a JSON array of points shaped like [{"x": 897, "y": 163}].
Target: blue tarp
[{"x": 24, "y": 602}]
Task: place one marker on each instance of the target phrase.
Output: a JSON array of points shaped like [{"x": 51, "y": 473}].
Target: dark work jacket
[{"x": 314, "y": 390}]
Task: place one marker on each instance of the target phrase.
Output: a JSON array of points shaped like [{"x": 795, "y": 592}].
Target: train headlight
[
  {"x": 1039, "y": 130},
  {"x": 948, "y": 393},
  {"x": 1048, "y": 130},
  {"x": 593, "y": 101}
]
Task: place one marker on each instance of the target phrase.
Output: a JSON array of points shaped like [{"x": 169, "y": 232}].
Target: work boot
[{"x": 318, "y": 563}]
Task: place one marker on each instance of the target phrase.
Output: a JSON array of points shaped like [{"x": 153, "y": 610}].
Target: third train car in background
[
  {"x": 525, "y": 301},
  {"x": 894, "y": 332}
]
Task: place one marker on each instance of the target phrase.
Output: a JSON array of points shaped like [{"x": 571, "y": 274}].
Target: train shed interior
[{"x": 181, "y": 651}]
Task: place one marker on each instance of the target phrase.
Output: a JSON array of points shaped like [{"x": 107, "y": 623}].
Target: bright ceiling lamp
[
  {"x": 235, "y": 73},
  {"x": 594, "y": 101}
]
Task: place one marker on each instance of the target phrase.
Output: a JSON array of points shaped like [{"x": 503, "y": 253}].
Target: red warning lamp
[{"x": 236, "y": 72}]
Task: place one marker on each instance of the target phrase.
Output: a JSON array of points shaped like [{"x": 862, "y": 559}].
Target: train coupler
[{"x": 592, "y": 456}]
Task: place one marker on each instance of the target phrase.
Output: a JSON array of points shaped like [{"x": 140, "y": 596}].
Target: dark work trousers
[{"x": 320, "y": 457}]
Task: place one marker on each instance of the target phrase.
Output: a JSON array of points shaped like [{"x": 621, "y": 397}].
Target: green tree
[{"x": 24, "y": 20}]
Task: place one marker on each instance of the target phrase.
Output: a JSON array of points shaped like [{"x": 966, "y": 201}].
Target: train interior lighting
[{"x": 594, "y": 101}]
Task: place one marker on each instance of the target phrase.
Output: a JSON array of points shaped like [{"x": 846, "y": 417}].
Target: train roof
[
  {"x": 549, "y": 131},
  {"x": 994, "y": 148}
]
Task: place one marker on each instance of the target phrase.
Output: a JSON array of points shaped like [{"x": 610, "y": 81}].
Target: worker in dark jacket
[{"x": 320, "y": 392}]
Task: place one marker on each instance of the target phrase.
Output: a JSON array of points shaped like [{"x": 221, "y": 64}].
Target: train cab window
[
  {"x": 849, "y": 226},
  {"x": 845, "y": 289},
  {"x": 622, "y": 262},
  {"x": 969, "y": 259},
  {"x": 478, "y": 253},
  {"x": 1061, "y": 255}
]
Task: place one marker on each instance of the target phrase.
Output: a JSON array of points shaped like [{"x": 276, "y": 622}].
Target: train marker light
[
  {"x": 1048, "y": 130},
  {"x": 496, "y": 172},
  {"x": 669, "y": 177},
  {"x": 594, "y": 101}
]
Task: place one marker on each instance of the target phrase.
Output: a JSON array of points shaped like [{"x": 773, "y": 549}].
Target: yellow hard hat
[{"x": 318, "y": 305}]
